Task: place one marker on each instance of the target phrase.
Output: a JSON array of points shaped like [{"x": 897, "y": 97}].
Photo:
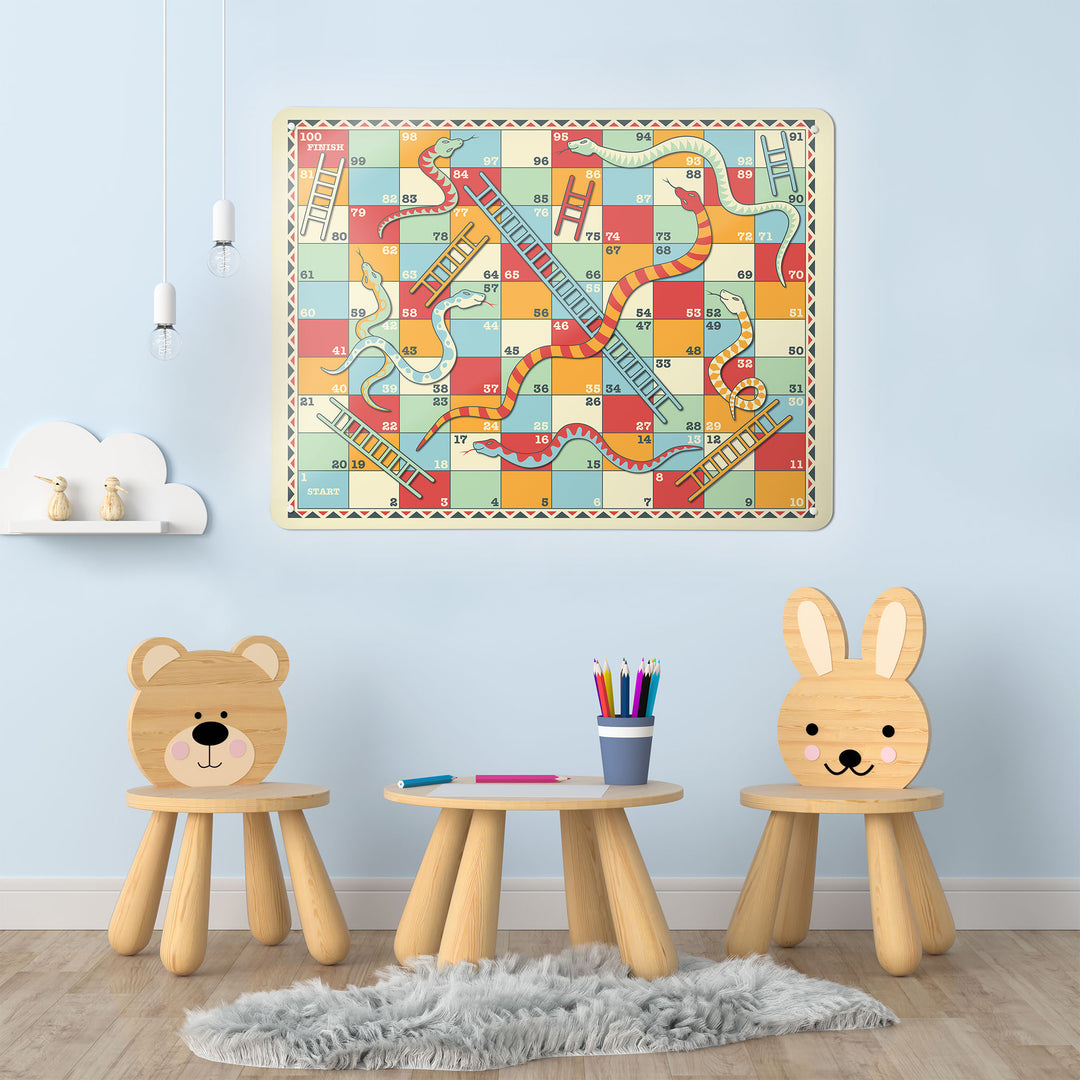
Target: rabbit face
[{"x": 854, "y": 722}]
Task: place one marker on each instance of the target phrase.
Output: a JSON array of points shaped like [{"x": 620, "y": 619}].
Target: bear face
[
  {"x": 854, "y": 722},
  {"x": 210, "y": 717}
]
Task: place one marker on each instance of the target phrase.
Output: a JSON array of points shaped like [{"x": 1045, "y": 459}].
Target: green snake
[
  {"x": 733, "y": 397},
  {"x": 372, "y": 279},
  {"x": 690, "y": 144}
]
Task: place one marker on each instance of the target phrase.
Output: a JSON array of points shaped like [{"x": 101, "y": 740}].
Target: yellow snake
[{"x": 734, "y": 397}]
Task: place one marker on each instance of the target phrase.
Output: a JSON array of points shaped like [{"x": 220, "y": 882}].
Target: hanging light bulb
[
  {"x": 223, "y": 257},
  {"x": 165, "y": 340}
]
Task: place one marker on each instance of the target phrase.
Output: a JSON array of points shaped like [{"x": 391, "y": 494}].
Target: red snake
[
  {"x": 620, "y": 294},
  {"x": 440, "y": 148}
]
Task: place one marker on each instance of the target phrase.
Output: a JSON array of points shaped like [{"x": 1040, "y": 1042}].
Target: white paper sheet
[{"x": 519, "y": 791}]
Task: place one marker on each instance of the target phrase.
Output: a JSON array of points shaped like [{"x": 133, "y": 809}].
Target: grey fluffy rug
[{"x": 515, "y": 1009}]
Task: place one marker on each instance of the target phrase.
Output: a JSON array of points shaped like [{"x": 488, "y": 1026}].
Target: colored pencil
[
  {"x": 421, "y": 781},
  {"x": 624, "y": 687},
  {"x": 646, "y": 682},
  {"x": 637, "y": 687},
  {"x": 519, "y": 778},
  {"x": 653, "y": 687},
  {"x": 609, "y": 693},
  {"x": 599, "y": 679}
]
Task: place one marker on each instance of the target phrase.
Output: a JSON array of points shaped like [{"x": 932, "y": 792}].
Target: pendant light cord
[
  {"x": 223, "y": 99},
  {"x": 164, "y": 140}
]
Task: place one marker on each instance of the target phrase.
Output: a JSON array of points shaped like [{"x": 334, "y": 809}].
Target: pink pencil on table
[{"x": 519, "y": 778}]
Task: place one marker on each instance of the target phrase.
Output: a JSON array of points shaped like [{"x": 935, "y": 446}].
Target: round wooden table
[{"x": 453, "y": 907}]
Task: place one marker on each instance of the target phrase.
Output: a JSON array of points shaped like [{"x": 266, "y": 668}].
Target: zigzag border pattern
[{"x": 402, "y": 514}]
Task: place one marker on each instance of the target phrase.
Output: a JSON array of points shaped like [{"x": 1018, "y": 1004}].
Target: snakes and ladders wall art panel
[{"x": 553, "y": 319}]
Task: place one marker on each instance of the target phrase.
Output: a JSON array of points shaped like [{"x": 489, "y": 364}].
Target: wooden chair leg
[
  {"x": 755, "y": 911},
  {"x": 267, "y": 901},
  {"x": 472, "y": 919},
  {"x": 640, "y": 927},
  {"x": 587, "y": 908},
  {"x": 896, "y": 935},
  {"x": 136, "y": 908},
  {"x": 321, "y": 919},
  {"x": 183, "y": 940},
  {"x": 936, "y": 928},
  {"x": 797, "y": 891},
  {"x": 421, "y": 927}
]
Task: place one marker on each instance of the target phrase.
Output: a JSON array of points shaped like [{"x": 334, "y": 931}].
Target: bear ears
[
  {"x": 152, "y": 655},
  {"x": 892, "y": 640}
]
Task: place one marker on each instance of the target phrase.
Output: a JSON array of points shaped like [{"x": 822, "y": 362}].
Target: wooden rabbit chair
[
  {"x": 206, "y": 728},
  {"x": 854, "y": 733}
]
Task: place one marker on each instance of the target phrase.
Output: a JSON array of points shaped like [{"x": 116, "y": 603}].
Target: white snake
[{"x": 633, "y": 159}]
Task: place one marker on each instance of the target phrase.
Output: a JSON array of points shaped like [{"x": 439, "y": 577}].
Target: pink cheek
[
  {"x": 811, "y": 753},
  {"x": 238, "y": 748},
  {"x": 180, "y": 750},
  {"x": 888, "y": 755}
]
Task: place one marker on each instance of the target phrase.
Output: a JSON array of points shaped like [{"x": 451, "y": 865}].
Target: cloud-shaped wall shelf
[{"x": 152, "y": 505}]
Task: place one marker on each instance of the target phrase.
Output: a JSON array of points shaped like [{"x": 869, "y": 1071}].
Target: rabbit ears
[{"x": 892, "y": 640}]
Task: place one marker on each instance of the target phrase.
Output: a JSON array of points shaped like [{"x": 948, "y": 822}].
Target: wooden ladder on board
[
  {"x": 738, "y": 446},
  {"x": 324, "y": 189},
  {"x": 449, "y": 264},
  {"x": 577, "y": 302},
  {"x": 373, "y": 446},
  {"x": 574, "y": 207},
  {"x": 778, "y": 163}
]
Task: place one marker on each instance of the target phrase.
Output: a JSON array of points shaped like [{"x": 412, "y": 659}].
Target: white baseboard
[{"x": 538, "y": 903}]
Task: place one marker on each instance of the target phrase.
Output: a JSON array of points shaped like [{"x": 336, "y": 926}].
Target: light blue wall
[{"x": 421, "y": 651}]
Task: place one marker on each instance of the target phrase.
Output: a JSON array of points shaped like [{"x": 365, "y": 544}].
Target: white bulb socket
[
  {"x": 224, "y": 222},
  {"x": 164, "y": 304}
]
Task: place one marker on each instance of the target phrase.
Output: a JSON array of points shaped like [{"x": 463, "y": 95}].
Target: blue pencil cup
[{"x": 625, "y": 746}]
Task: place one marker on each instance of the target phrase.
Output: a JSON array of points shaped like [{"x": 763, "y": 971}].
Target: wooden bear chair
[
  {"x": 854, "y": 733},
  {"x": 205, "y": 728}
]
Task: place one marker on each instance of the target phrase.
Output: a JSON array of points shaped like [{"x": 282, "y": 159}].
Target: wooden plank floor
[{"x": 1001, "y": 1005}]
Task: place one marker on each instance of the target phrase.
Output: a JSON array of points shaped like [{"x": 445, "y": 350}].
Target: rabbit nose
[
  {"x": 850, "y": 758},
  {"x": 211, "y": 733}
]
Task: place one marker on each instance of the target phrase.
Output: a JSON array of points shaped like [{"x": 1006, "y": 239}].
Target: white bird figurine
[
  {"x": 112, "y": 506},
  {"x": 59, "y": 507}
]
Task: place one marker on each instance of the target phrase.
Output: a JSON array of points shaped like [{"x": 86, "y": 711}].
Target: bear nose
[
  {"x": 211, "y": 733},
  {"x": 848, "y": 758}
]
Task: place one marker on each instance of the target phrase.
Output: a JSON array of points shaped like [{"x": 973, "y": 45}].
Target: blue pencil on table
[
  {"x": 421, "y": 781},
  {"x": 624, "y": 687}
]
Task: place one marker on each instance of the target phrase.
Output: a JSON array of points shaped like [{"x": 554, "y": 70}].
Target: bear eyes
[
  {"x": 198, "y": 715},
  {"x": 224, "y": 714},
  {"x": 888, "y": 730}
]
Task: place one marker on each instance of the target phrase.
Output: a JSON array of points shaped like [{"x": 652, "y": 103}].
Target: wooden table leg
[
  {"x": 755, "y": 911},
  {"x": 421, "y": 927},
  {"x": 936, "y": 928},
  {"x": 267, "y": 901},
  {"x": 640, "y": 927},
  {"x": 136, "y": 908},
  {"x": 325, "y": 932},
  {"x": 797, "y": 891},
  {"x": 587, "y": 908},
  {"x": 896, "y": 935},
  {"x": 183, "y": 940},
  {"x": 473, "y": 916}
]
